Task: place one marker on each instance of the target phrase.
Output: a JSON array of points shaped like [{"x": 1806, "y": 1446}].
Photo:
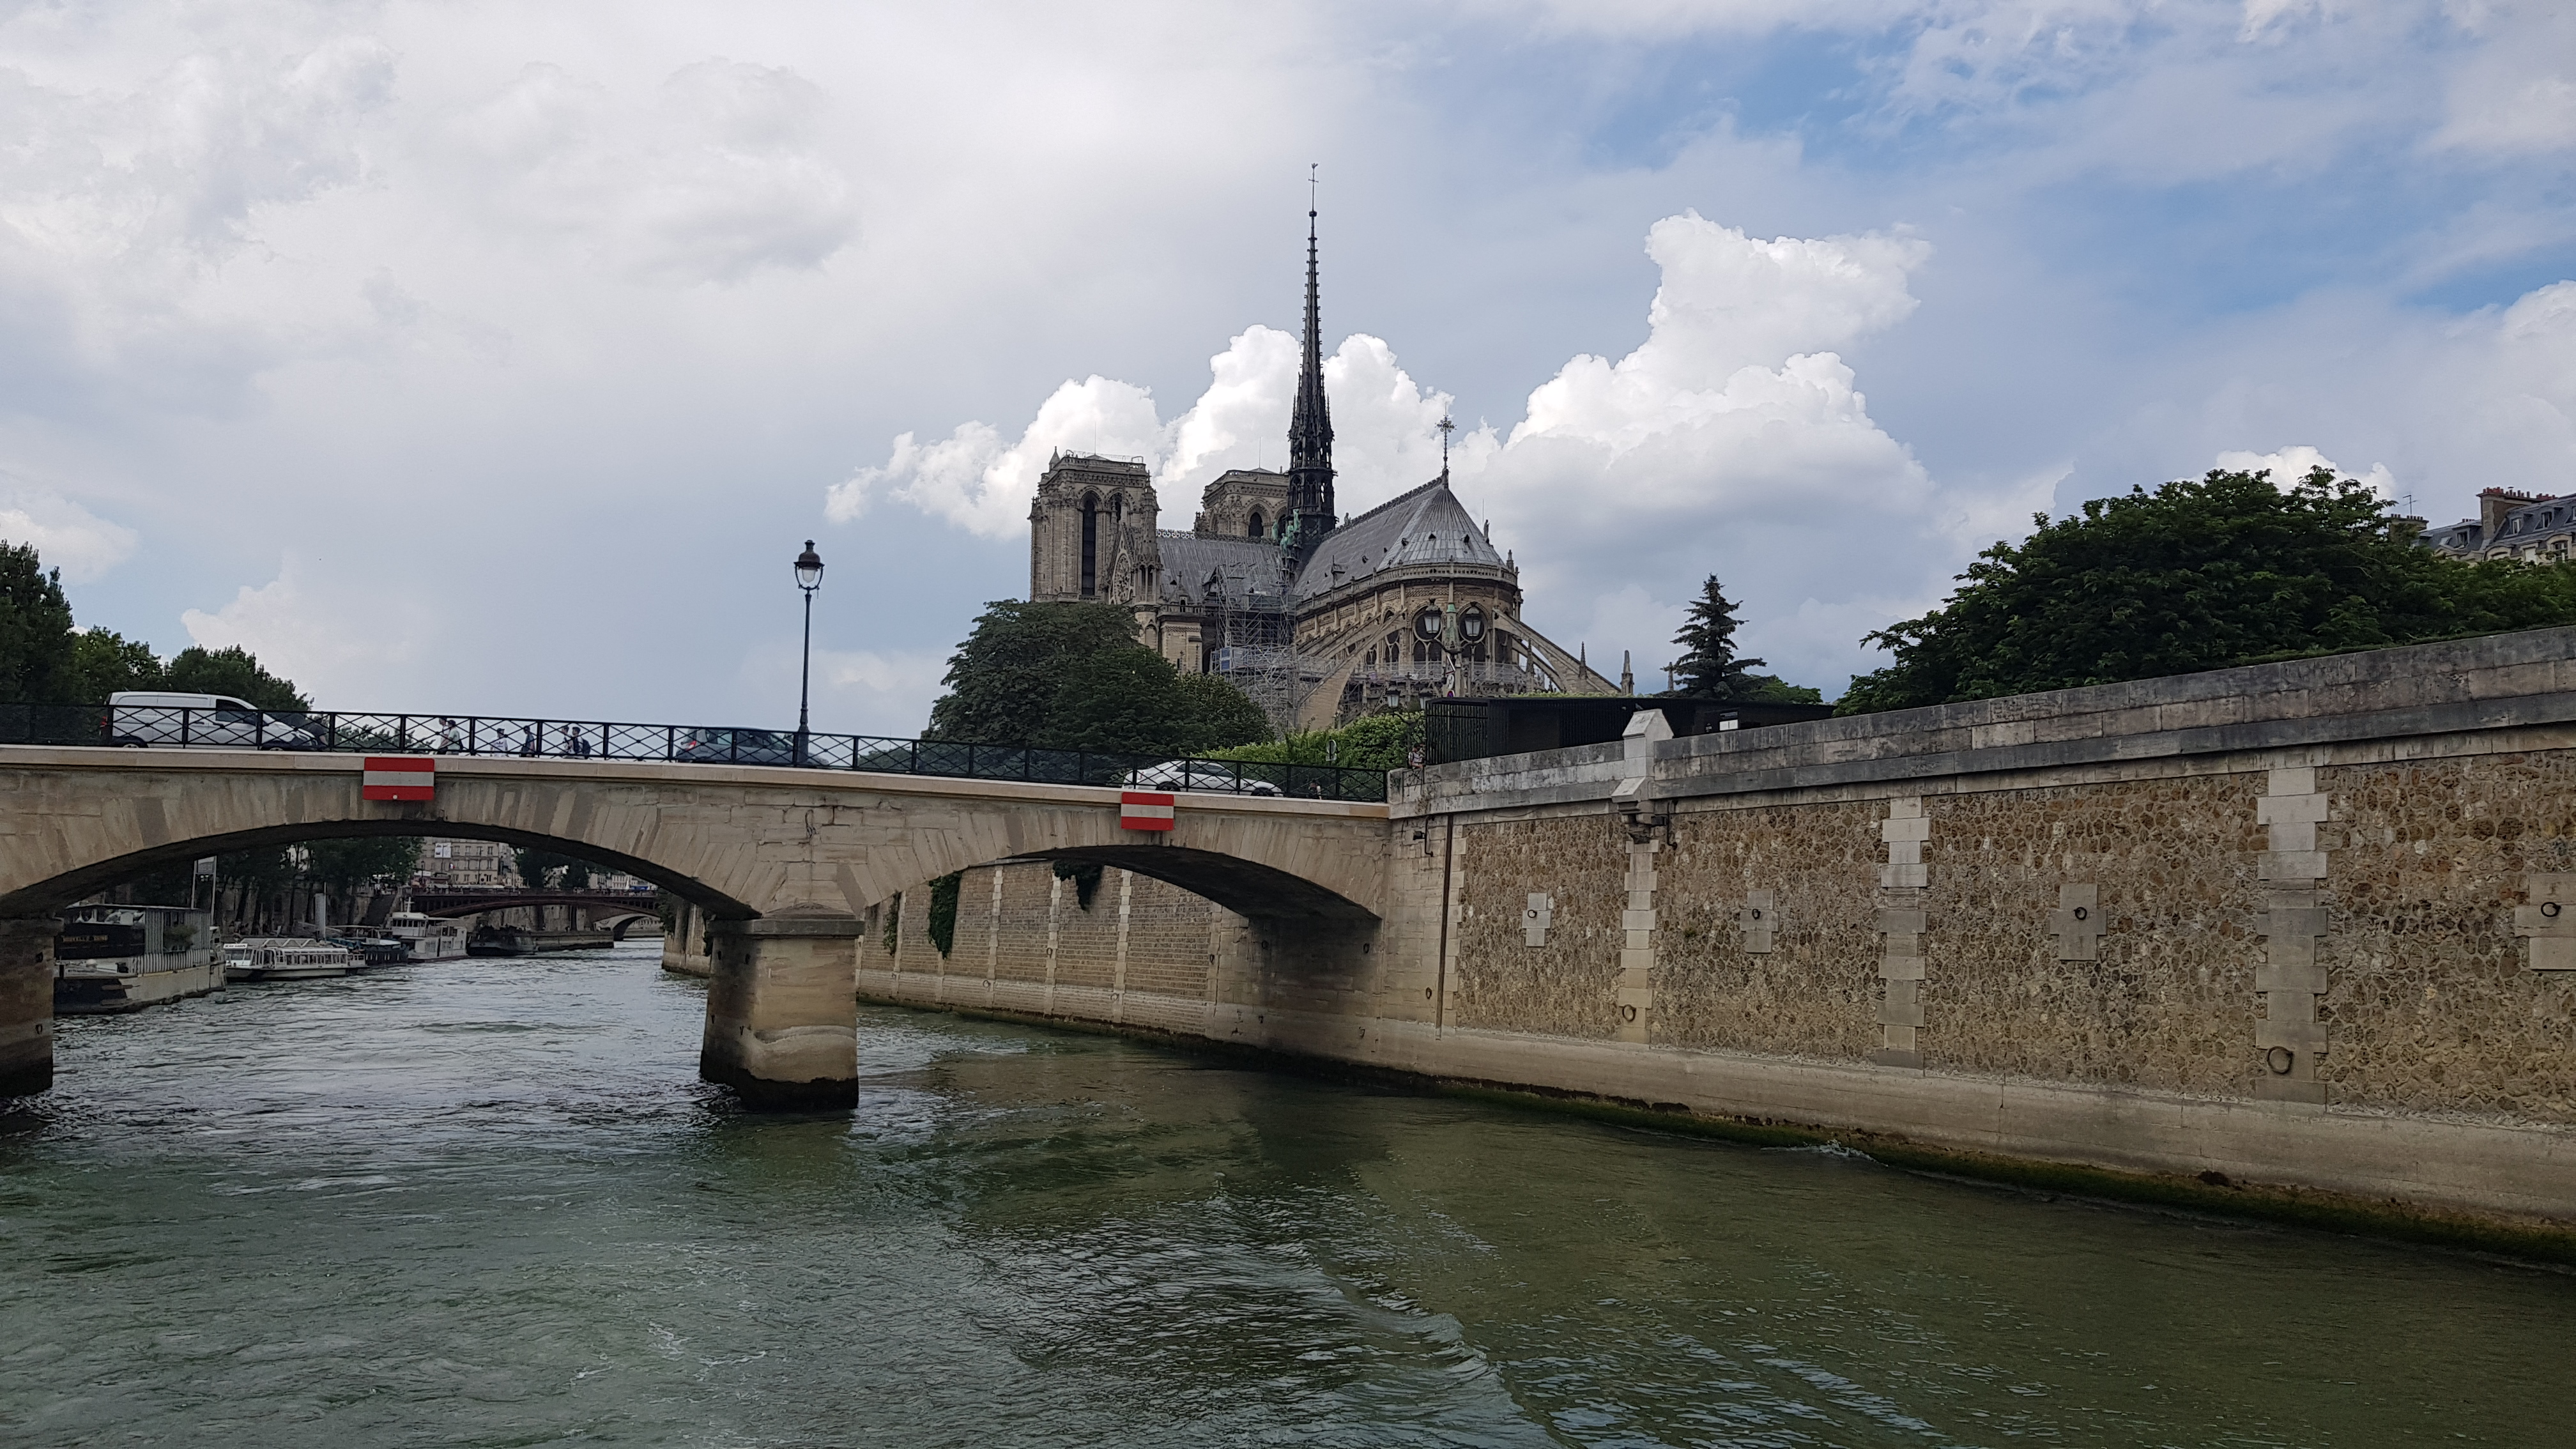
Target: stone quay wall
[{"x": 2295, "y": 923}]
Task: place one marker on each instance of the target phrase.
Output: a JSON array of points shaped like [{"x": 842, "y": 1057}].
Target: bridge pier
[
  {"x": 782, "y": 1011},
  {"x": 27, "y": 1004}
]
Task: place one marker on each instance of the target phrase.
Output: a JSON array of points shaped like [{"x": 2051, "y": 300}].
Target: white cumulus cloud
[
  {"x": 1385, "y": 426},
  {"x": 67, "y": 536},
  {"x": 347, "y": 645},
  {"x": 2290, "y": 465}
]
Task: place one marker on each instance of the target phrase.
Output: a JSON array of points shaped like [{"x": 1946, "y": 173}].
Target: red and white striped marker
[
  {"x": 398, "y": 777},
  {"x": 1144, "y": 810}
]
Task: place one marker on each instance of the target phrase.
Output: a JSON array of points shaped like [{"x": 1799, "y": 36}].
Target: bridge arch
[{"x": 91, "y": 877}]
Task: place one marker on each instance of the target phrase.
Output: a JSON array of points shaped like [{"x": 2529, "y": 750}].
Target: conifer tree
[{"x": 1709, "y": 667}]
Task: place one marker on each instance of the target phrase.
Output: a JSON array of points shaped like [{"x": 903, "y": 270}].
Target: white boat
[
  {"x": 428, "y": 938},
  {"x": 279, "y": 958}
]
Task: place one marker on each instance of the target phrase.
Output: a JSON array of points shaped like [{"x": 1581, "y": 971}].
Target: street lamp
[
  {"x": 1451, "y": 631},
  {"x": 809, "y": 577}
]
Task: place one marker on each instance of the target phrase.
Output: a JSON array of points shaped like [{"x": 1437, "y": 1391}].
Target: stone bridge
[
  {"x": 612, "y": 911},
  {"x": 781, "y": 862}
]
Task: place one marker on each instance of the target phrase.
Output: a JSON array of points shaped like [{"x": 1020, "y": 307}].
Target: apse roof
[{"x": 1425, "y": 526}]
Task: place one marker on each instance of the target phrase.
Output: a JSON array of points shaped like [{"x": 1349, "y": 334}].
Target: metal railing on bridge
[{"x": 170, "y": 727}]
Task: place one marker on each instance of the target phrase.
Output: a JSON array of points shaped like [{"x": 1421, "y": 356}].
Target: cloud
[
  {"x": 855, "y": 691},
  {"x": 973, "y": 479},
  {"x": 713, "y": 176},
  {"x": 1385, "y": 427},
  {"x": 2514, "y": 93},
  {"x": 2293, "y": 464},
  {"x": 67, "y": 536},
  {"x": 335, "y": 642}
]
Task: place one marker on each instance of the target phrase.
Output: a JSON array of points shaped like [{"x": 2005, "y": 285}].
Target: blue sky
[{"x": 482, "y": 357}]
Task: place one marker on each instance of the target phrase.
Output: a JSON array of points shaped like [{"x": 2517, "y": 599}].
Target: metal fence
[{"x": 341, "y": 732}]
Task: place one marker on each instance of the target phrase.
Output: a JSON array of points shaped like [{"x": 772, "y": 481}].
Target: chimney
[{"x": 2493, "y": 505}]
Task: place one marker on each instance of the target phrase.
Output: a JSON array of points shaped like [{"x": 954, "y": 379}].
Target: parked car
[
  {"x": 207, "y": 722},
  {"x": 1202, "y": 775},
  {"x": 707, "y": 744}
]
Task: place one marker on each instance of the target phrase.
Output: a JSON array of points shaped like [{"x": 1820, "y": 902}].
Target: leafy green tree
[
  {"x": 1371, "y": 742},
  {"x": 343, "y": 865},
  {"x": 544, "y": 869},
  {"x": 1220, "y": 713},
  {"x": 1772, "y": 689},
  {"x": 1073, "y": 677},
  {"x": 2198, "y": 574},
  {"x": 35, "y": 627},
  {"x": 232, "y": 671},
  {"x": 1002, "y": 680},
  {"x": 103, "y": 663},
  {"x": 1709, "y": 667},
  {"x": 1133, "y": 700}
]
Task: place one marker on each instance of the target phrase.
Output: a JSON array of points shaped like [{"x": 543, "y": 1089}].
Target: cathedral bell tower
[
  {"x": 1091, "y": 533},
  {"x": 1310, "y": 434}
]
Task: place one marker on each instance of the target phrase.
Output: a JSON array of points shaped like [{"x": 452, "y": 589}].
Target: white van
[{"x": 203, "y": 722}]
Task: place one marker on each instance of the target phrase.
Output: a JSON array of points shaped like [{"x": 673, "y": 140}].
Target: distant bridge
[{"x": 469, "y": 901}]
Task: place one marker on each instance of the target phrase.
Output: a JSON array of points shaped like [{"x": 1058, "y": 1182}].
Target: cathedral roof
[
  {"x": 1426, "y": 526},
  {"x": 1242, "y": 565}
]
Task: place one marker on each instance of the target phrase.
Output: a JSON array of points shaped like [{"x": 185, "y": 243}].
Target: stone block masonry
[{"x": 2310, "y": 924}]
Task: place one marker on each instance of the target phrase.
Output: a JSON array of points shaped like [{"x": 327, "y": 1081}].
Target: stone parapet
[{"x": 2465, "y": 686}]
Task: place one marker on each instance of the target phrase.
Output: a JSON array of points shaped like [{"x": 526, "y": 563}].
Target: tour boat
[
  {"x": 370, "y": 947},
  {"x": 280, "y": 958}
]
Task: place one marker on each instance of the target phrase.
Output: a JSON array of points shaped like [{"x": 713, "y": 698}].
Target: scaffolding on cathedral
[{"x": 1252, "y": 639}]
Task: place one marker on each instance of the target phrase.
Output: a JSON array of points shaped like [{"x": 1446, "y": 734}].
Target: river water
[{"x": 487, "y": 1203}]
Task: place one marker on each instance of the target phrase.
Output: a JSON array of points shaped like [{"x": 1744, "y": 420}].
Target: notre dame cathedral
[{"x": 1318, "y": 618}]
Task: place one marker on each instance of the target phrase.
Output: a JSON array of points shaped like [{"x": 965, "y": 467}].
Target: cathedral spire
[{"x": 1310, "y": 424}]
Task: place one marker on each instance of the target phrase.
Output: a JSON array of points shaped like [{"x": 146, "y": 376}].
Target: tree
[
  {"x": 1073, "y": 677},
  {"x": 2199, "y": 574},
  {"x": 1709, "y": 667},
  {"x": 1371, "y": 742},
  {"x": 103, "y": 663},
  {"x": 1132, "y": 700},
  {"x": 540, "y": 869},
  {"x": 233, "y": 671},
  {"x": 1002, "y": 680},
  {"x": 1220, "y": 713},
  {"x": 35, "y": 627},
  {"x": 343, "y": 865}
]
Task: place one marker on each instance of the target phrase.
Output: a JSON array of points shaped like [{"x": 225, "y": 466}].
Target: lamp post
[
  {"x": 1453, "y": 632},
  {"x": 809, "y": 577}
]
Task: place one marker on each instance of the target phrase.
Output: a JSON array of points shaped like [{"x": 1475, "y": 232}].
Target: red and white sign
[
  {"x": 399, "y": 777},
  {"x": 1144, "y": 810}
]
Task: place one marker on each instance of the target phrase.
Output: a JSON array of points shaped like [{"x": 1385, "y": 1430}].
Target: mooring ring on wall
[
  {"x": 1757, "y": 913},
  {"x": 1629, "y": 1012},
  {"x": 2280, "y": 1061},
  {"x": 2549, "y": 908},
  {"x": 2083, "y": 913}
]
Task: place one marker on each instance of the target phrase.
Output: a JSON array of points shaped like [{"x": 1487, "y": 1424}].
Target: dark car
[{"x": 709, "y": 745}]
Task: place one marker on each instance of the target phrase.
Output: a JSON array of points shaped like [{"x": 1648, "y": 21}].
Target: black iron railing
[{"x": 342, "y": 732}]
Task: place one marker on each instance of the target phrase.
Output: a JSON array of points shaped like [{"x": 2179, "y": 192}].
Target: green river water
[{"x": 487, "y": 1203}]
